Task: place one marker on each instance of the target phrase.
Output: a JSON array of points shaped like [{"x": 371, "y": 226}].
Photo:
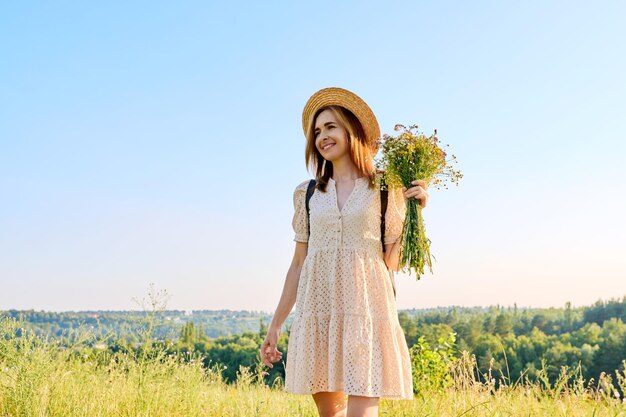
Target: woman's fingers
[
  {"x": 265, "y": 360},
  {"x": 271, "y": 350},
  {"x": 262, "y": 353},
  {"x": 266, "y": 351},
  {"x": 419, "y": 193},
  {"x": 415, "y": 191},
  {"x": 270, "y": 354},
  {"x": 273, "y": 354},
  {"x": 420, "y": 182}
]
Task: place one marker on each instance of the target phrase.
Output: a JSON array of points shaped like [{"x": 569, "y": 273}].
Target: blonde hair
[{"x": 361, "y": 153}]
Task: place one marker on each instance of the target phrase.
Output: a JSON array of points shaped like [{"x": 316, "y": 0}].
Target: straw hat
[{"x": 349, "y": 100}]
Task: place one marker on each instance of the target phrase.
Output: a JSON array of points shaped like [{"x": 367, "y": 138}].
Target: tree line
[
  {"x": 508, "y": 342},
  {"x": 514, "y": 344}
]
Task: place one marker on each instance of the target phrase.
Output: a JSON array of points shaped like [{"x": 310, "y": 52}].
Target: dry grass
[{"x": 39, "y": 378}]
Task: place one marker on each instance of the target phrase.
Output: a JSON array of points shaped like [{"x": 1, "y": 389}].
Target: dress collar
[{"x": 356, "y": 180}]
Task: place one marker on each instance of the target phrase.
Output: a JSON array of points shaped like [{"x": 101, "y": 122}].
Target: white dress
[{"x": 345, "y": 335}]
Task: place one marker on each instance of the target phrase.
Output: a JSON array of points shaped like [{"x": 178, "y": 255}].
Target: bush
[{"x": 431, "y": 366}]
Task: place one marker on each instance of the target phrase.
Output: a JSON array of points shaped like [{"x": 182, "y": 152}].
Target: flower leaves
[{"x": 408, "y": 156}]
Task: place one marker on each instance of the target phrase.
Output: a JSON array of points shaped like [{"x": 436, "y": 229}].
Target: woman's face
[{"x": 331, "y": 139}]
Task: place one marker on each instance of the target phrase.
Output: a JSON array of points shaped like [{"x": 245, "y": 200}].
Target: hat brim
[{"x": 347, "y": 99}]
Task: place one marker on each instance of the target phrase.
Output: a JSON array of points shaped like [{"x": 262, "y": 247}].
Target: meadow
[{"x": 41, "y": 377}]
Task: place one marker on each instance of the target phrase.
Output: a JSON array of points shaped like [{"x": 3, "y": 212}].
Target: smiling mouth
[{"x": 327, "y": 146}]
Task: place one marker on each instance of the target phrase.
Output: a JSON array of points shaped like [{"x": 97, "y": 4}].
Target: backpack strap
[
  {"x": 383, "y": 209},
  {"x": 309, "y": 193}
]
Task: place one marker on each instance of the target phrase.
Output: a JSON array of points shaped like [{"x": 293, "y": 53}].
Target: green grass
[{"x": 40, "y": 378}]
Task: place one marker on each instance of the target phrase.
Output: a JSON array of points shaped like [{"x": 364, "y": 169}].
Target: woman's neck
[{"x": 345, "y": 170}]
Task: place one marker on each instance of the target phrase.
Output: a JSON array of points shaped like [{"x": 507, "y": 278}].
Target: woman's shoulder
[{"x": 302, "y": 186}]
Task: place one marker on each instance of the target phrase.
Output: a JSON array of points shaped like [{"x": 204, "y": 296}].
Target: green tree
[
  {"x": 409, "y": 326},
  {"x": 612, "y": 347},
  {"x": 503, "y": 324},
  {"x": 262, "y": 329},
  {"x": 188, "y": 333}
]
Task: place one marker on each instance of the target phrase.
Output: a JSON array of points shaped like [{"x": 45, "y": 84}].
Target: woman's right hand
[{"x": 269, "y": 352}]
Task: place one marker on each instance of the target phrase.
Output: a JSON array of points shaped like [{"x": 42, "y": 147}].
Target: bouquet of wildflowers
[{"x": 407, "y": 157}]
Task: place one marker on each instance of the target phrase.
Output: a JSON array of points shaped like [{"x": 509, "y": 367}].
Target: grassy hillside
[{"x": 38, "y": 377}]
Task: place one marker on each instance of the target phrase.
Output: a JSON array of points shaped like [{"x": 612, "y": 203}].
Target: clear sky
[{"x": 159, "y": 142}]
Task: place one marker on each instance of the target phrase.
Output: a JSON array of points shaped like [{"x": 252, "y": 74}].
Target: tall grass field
[{"x": 40, "y": 377}]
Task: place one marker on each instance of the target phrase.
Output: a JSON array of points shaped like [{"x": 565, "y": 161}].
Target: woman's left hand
[{"x": 418, "y": 191}]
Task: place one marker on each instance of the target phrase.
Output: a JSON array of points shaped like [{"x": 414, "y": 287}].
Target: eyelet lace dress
[{"x": 345, "y": 335}]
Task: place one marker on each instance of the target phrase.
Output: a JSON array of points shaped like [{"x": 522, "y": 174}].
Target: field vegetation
[{"x": 43, "y": 377}]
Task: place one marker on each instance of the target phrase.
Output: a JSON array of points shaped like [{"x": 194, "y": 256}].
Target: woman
[{"x": 345, "y": 337}]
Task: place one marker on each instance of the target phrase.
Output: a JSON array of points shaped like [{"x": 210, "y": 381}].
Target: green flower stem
[
  {"x": 414, "y": 245},
  {"x": 408, "y": 156}
]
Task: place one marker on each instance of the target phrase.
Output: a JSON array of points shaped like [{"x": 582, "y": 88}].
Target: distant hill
[
  {"x": 216, "y": 323},
  {"x": 126, "y": 323}
]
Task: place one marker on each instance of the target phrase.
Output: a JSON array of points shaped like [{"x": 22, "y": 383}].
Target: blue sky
[{"x": 158, "y": 143}]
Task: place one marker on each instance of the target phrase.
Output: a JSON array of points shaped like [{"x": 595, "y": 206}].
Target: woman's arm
[
  {"x": 392, "y": 255},
  {"x": 288, "y": 297},
  {"x": 268, "y": 350}
]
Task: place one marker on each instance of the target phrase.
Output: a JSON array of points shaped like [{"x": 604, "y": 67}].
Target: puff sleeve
[
  {"x": 300, "y": 222},
  {"x": 394, "y": 216}
]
